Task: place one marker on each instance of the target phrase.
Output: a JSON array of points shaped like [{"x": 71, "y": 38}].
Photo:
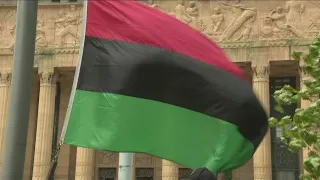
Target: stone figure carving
[
  {"x": 60, "y": 21},
  {"x": 12, "y": 32},
  {"x": 154, "y": 5},
  {"x": 216, "y": 19},
  {"x": 193, "y": 12},
  {"x": 67, "y": 24},
  {"x": 242, "y": 17},
  {"x": 277, "y": 17},
  {"x": 267, "y": 29},
  {"x": 294, "y": 8},
  {"x": 180, "y": 12},
  {"x": 5, "y": 15},
  {"x": 41, "y": 40},
  {"x": 314, "y": 28}
]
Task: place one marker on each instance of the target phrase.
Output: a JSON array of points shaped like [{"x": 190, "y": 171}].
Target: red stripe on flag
[{"x": 131, "y": 21}]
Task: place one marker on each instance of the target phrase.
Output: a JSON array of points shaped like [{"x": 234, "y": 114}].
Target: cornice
[
  {"x": 266, "y": 43},
  {"x": 43, "y": 4},
  {"x": 224, "y": 45}
]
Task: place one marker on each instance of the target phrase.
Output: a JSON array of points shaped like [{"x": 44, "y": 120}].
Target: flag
[{"x": 149, "y": 83}]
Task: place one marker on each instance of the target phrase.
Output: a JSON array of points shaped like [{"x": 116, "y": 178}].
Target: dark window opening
[
  {"x": 285, "y": 164},
  {"x": 184, "y": 173},
  {"x": 144, "y": 174},
  {"x": 107, "y": 173}
]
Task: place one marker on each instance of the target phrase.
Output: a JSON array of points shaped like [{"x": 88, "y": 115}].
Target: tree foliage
[{"x": 304, "y": 131}]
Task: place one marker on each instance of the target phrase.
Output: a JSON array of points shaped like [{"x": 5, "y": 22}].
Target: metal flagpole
[
  {"x": 125, "y": 166},
  {"x": 20, "y": 95}
]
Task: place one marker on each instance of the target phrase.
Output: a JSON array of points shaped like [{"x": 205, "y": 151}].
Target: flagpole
[
  {"x": 20, "y": 95},
  {"x": 125, "y": 166}
]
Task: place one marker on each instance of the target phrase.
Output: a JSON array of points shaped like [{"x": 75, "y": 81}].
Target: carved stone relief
[
  {"x": 260, "y": 70},
  {"x": 154, "y": 5},
  {"x": 12, "y": 31},
  {"x": 302, "y": 70},
  {"x": 195, "y": 21},
  {"x": 243, "y": 20},
  {"x": 5, "y": 78},
  {"x": 143, "y": 160},
  {"x": 67, "y": 27},
  {"x": 41, "y": 39},
  {"x": 180, "y": 12},
  {"x": 107, "y": 158},
  {"x": 295, "y": 9},
  {"x": 7, "y": 28},
  {"x": 8, "y": 31},
  {"x": 314, "y": 28},
  {"x": 47, "y": 77},
  {"x": 282, "y": 21},
  {"x": 217, "y": 18},
  {"x": 221, "y": 20}
]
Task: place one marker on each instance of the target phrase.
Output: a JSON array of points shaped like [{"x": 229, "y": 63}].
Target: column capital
[
  {"x": 302, "y": 71},
  {"x": 260, "y": 71},
  {"x": 47, "y": 76},
  {"x": 5, "y": 78}
]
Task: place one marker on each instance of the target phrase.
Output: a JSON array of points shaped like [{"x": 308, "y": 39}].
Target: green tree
[{"x": 302, "y": 130}]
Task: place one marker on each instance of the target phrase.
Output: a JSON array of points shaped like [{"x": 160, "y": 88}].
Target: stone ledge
[{"x": 224, "y": 45}]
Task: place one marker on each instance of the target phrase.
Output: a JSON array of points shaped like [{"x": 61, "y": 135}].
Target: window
[
  {"x": 285, "y": 164},
  {"x": 107, "y": 173},
  {"x": 185, "y": 173},
  {"x": 55, "y": 124},
  {"x": 144, "y": 173}
]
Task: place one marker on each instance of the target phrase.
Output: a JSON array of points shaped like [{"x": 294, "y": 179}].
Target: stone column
[
  {"x": 170, "y": 170},
  {"x": 85, "y": 164},
  {"x": 5, "y": 82},
  {"x": 262, "y": 166},
  {"x": 304, "y": 104},
  {"x": 157, "y": 168},
  {"x": 43, "y": 144},
  {"x": 32, "y": 125}
]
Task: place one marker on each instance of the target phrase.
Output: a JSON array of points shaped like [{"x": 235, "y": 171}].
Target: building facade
[{"x": 257, "y": 35}]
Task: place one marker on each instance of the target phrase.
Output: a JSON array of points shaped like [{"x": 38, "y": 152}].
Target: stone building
[{"x": 257, "y": 35}]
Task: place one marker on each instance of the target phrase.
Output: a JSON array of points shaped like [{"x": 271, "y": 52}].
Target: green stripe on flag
[{"x": 114, "y": 122}]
